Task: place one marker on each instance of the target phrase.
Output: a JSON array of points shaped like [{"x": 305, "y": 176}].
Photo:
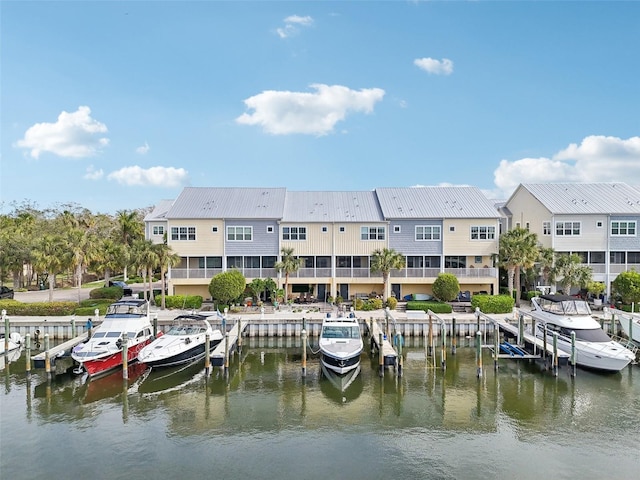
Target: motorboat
[
  {"x": 562, "y": 315},
  {"x": 184, "y": 342},
  {"x": 340, "y": 344},
  {"x": 13, "y": 342},
  {"x": 127, "y": 318},
  {"x": 630, "y": 324}
]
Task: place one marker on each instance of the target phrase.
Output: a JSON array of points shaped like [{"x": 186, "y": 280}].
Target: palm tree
[
  {"x": 570, "y": 271},
  {"x": 146, "y": 259},
  {"x": 166, "y": 259},
  {"x": 546, "y": 258},
  {"x": 518, "y": 249},
  {"x": 288, "y": 264},
  {"x": 384, "y": 261},
  {"x": 129, "y": 229},
  {"x": 49, "y": 258}
]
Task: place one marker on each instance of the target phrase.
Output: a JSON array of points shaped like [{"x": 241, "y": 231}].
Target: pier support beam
[{"x": 479, "y": 353}]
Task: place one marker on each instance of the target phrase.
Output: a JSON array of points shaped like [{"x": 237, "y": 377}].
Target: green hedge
[
  {"x": 114, "y": 293},
  {"x": 435, "y": 307},
  {"x": 368, "y": 305},
  {"x": 39, "y": 309},
  {"x": 180, "y": 301},
  {"x": 392, "y": 303},
  {"x": 493, "y": 303}
]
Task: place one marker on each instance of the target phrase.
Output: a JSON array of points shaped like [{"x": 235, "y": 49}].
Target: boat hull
[
  {"x": 104, "y": 365},
  {"x": 194, "y": 354},
  {"x": 340, "y": 365}
]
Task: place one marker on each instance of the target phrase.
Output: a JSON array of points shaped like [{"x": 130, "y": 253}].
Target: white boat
[
  {"x": 630, "y": 324},
  {"x": 563, "y": 314},
  {"x": 13, "y": 342},
  {"x": 103, "y": 351},
  {"x": 341, "y": 344},
  {"x": 182, "y": 343}
]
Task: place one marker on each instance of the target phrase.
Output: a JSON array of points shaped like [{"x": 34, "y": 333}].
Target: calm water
[{"x": 264, "y": 421}]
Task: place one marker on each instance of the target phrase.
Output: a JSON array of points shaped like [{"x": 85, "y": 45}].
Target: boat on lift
[
  {"x": 562, "y": 315},
  {"x": 341, "y": 344},
  {"x": 127, "y": 318},
  {"x": 184, "y": 342}
]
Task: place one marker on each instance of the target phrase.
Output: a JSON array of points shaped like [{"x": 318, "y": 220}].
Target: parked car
[
  {"x": 127, "y": 291},
  {"x": 6, "y": 292}
]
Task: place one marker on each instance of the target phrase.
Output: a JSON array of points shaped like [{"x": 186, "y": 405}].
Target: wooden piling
[
  {"x": 47, "y": 358},
  {"x": 443, "y": 352},
  {"x": 155, "y": 325},
  {"x": 555, "y": 354},
  {"x": 521, "y": 330},
  {"x": 496, "y": 348},
  {"x": 479, "y": 353},
  {"x": 454, "y": 337},
  {"x": 27, "y": 353},
  {"x": 226, "y": 353},
  {"x": 5, "y": 318},
  {"x": 399, "y": 344},
  {"x": 573, "y": 353},
  {"x": 207, "y": 354},
  {"x": 304, "y": 352},
  {"x": 380, "y": 355},
  {"x": 125, "y": 357},
  {"x": 239, "y": 340},
  {"x": 73, "y": 327},
  {"x": 430, "y": 344}
]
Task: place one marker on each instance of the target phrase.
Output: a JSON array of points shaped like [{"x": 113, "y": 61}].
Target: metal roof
[
  {"x": 159, "y": 212},
  {"x": 228, "y": 202},
  {"x": 332, "y": 207},
  {"x": 435, "y": 202},
  {"x": 586, "y": 198}
]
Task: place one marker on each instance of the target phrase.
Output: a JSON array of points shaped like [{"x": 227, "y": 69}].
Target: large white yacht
[
  {"x": 563, "y": 314},
  {"x": 341, "y": 344}
]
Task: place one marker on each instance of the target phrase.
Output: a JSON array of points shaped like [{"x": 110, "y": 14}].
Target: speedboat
[
  {"x": 340, "y": 344},
  {"x": 127, "y": 318},
  {"x": 13, "y": 342},
  {"x": 184, "y": 342},
  {"x": 562, "y": 314},
  {"x": 630, "y": 324}
]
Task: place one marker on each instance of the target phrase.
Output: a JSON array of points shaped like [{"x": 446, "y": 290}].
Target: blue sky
[{"x": 117, "y": 105}]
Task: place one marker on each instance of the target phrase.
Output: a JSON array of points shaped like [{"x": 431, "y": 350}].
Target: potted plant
[{"x": 596, "y": 289}]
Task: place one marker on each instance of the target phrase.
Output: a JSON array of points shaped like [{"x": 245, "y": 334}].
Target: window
[
  {"x": 623, "y": 228},
  {"x": 234, "y": 262},
  {"x": 596, "y": 257},
  {"x": 415, "y": 262},
  {"x": 452, "y": 228},
  {"x": 583, "y": 256},
  {"x": 214, "y": 229},
  {"x": 633, "y": 257},
  {"x": 269, "y": 262},
  {"x": 477, "y": 259},
  {"x": 210, "y": 262},
  {"x": 343, "y": 262},
  {"x": 396, "y": 229},
  {"x": 427, "y": 232},
  {"x": 323, "y": 262},
  {"x": 617, "y": 257},
  {"x": 432, "y": 262},
  {"x": 251, "y": 262},
  {"x": 455, "y": 261},
  {"x": 483, "y": 233},
  {"x": 269, "y": 228},
  {"x": 158, "y": 230},
  {"x": 239, "y": 234},
  {"x": 598, "y": 224},
  {"x": 546, "y": 228},
  {"x": 294, "y": 233},
  {"x": 183, "y": 233},
  {"x": 341, "y": 229},
  {"x": 566, "y": 229},
  {"x": 372, "y": 233},
  {"x": 325, "y": 229}
]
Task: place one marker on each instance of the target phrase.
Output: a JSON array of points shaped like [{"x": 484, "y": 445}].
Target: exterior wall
[
  {"x": 262, "y": 243},
  {"x": 318, "y": 243},
  {"x": 591, "y": 236},
  {"x": 622, "y": 243},
  {"x": 405, "y": 241},
  {"x": 207, "y": 242},
  {"x": 349, "y": 243},
  {"x": 526, "y": 209},
  {"x": 458, "y": 242},
  {"x": 149, "y": 231}
]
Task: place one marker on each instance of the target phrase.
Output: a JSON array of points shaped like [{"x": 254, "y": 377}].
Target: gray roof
[
  {"x": 159, "y": 212},
  {"x": 228, "y": 202},
  {"x": 435, "y": 202},
  {"x": 332, "y": 207},
  {"x": 586, "y": 198}
]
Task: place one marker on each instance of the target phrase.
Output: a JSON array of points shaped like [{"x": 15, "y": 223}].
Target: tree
[
  {"x": 446, "y": 287},
  {"x": 570, "y": 271},
  {"x": 130, "y": 228},
  {"x": 288, "y": 264},
  {"x": 256, "y": 287},
  {"x": 383, "y": 261},
  {"x": 546, "y": 256},
  {"x": 518, "y": 249},
  {"x": 227, "y": 286},
  {"x": 49, "y": 258},
  {"x": 145, "y": 258},
  {"x": 166, "y": 259},
  {"x": 627, "y": 286}
]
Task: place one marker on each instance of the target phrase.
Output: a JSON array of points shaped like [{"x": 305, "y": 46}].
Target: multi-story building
[
  {"x": 437, "y": 229},
  {"x": 598, "y": 221}
]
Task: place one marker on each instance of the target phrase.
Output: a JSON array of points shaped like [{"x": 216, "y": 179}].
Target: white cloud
[
  {"x": 292, "y": 24},
  {"x": 596, "y": 159},
  {"x": 435, "y": 67},
  {"x": 74, "y": 135},
  {"x": 143, "y": 149},
  {"x": 93, "y": 174},
  {"x": 284, "y": 112},
  {"x": 154, "y": 176}
]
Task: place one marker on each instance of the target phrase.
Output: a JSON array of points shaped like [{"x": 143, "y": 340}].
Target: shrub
[
  {"x": 114, "y": 293},
  {"x": 446, "y": 287},
  {"x": 392, "y": 302},
  {"x": 435, "y": 307},
  {"x": 87, "y": 307},
  {"x": 181, "y": 301},
  {"x": 493, "y": 303},
  {"x": 39, "y": 309}
]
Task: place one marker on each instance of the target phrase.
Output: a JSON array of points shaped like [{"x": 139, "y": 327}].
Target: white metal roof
[
  {"x": 586, "y": 198},
  {"x": 159, "y": 212},
  {"x": 332, "y": 207},
  {"x": 228, "y": 202},
  {"x": 435, "y": 202}
]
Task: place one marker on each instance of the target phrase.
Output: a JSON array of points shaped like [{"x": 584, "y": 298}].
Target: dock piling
[
  {"x": 555, "y": 354},
  {"x": 479, "y": 353},
  {"x": 73, "y": 327},
  {"x": 573, "y": 353},
  {"x": 207, "y": 354},
  {"x": 381, "y": 355},
  {"x": 125, "y": 357},
  {"x": 47, "y": 358},
  {"x": 453, "y": 336},
  {"x": 430, "y": 344},
  {"x": 5, "y": 318},
  {"x": 226, "y": 353},
  {"x": 304, "y": 352},
  {"x": 496, "y": 349},
  {"x": 443, "y": 353},
  {"x": 27, "y": 342}
]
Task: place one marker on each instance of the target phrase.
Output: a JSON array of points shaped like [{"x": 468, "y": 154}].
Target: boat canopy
[
  {"x": 564, "y": 305},
  {"x": 340, "y": 331}
]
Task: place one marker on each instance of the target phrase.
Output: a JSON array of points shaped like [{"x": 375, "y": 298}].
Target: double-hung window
[
  {"x": 567, "y": 229},
  {"x": 621, "y": 229},
  {"x": 294, "y": 233},
  {"x": 427, "y": 232},
  {"x": 239, "y": 234},
  {"x": 372, "y": 233},
  {"x": 183, "y": 233},
  {"x": 483, "y": 232}
]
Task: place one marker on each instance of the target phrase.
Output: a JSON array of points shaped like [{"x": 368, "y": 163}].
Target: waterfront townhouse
[
  {"x": 437, "y": 229},
  {"x": 598, "y": 221}
]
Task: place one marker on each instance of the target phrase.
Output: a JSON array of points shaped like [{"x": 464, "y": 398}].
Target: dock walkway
[
  {"x": 388, "y": 352},
  {"x": 59, "y": 352},
  {"x": 228, "y": 345}
]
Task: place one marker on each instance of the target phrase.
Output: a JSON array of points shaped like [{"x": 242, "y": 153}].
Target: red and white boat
[{"x": 103, "y": 351}]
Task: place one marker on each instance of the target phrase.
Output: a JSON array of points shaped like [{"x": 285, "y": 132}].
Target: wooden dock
[
  {"x": 219, "y": 356},
  {"x": 529, "y": 344},
  {"x": 388, "y": 352},
  {"x": 59, "y": 356}
]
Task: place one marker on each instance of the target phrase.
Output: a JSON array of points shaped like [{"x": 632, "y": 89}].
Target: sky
[{"x": 116, "y": 105}]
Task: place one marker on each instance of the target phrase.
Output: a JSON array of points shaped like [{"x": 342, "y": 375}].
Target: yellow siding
[
  {"x": 527, "y": 209},
  {"x": 317, "y": 243},
  {"x": 459, "y": 241},
  {"x": 207, "y": 243}
]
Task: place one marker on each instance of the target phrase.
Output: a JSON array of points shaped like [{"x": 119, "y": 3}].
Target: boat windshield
[
  {"x": 118, "y": 309},
  {"x": 567, "y": 307},
  {"x": 330, "y": 331},
  {"x": 185, "y": 330}
]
